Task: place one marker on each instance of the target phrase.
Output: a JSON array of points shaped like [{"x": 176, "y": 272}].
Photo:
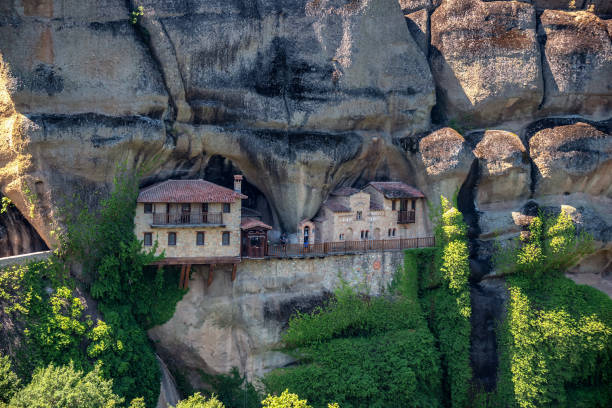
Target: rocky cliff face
[{"x": 507, "y": 102}]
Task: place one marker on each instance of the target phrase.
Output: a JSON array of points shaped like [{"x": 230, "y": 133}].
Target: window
[
  {"x": 341, "y": 237},
  {"x": 186, "y": 208},
  {"x": 172, "y": 238},
  {"x": 413, "y": 204},
  {"x": 393, "y": 205},
  {"x": 200, "y": 238},
  {"x": 367, "y": 234},
  {"x": 226, "y": 207},
  {"x": 148, "y": 239},
  {"x": 389, "y": 232},
  {"x": 148, "y": 208},
  {"x": 225, "y": 238},
  {"x": 362, "y": 234},
  {"x": 204, "y": 207},
  {"x": 359, "y": 215},
  {"x": 393, "y": 231}
]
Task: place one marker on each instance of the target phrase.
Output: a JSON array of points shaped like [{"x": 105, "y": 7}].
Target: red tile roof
[
  {"x": 396, "y": 189},
  {"x": 188, "y": 191},
  {"x": 249, "y": 223}
]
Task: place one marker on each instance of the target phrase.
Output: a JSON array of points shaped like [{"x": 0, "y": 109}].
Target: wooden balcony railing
[
  {"x": 348, "y": 247},
  {"x": 188, "y": 219},
  {"x": 405, "y": 217}
]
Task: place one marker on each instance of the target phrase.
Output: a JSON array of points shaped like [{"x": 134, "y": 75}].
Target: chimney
[{"x": 238, "y": 183}]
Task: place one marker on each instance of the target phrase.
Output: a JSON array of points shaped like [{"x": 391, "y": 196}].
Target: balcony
[
  {"x": 405, "y": 217},
  {"x": 162, "y": 220}
]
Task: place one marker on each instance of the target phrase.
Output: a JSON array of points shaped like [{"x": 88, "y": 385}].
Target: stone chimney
[{"x": 238, "y": 183}]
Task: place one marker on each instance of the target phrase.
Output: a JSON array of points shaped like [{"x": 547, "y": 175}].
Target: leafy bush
[
  {"x": 9, "y": 382},
  {"x": 550, "y": 247},
  {"x": 198, "y": 401},
  {"x": 555, "y": 345},
  {"x": 361, "y": 352},
  {"x": 65, "y": 387},
  {"x": 288, "y": 400},
  {"x": 556, "y": 341}
]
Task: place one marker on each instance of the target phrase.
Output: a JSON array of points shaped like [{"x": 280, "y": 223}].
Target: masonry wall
[{"x": 186, "y": 236}]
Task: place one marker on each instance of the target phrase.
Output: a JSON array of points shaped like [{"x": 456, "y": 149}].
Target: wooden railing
[
  {"x": 187, "y": 218},
  {"x": 405, "y": 217},
  {"x": 347, "y": 247}
]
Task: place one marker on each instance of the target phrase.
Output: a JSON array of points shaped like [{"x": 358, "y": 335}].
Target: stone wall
[
  {"x": 24, "y": 259},
  {"x": 238, "y": 324}
]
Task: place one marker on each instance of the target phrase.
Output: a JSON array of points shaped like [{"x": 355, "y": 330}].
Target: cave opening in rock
[{"x": 17, "y": 236}]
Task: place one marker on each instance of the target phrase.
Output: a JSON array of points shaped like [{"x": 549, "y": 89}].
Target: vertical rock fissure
[
  {"x": 483, "y": 340},
  {"x": 145, "y": 38}
]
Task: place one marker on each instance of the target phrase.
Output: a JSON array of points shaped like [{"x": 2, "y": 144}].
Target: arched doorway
[{"x": 306, "y": 236}]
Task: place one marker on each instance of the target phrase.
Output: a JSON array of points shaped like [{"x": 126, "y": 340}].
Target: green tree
[
  {"x": 65, "y": 387},
  {"x": 197, "y": 400},
  {"x": 285, "y": 400},
  {"x": 9, "y": 382}
]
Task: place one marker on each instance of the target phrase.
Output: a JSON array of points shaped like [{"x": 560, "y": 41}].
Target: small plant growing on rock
[{"x": 139, "y": 12}]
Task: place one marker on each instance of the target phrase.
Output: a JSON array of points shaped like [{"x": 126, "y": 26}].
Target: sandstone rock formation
[
  {"x": 485, "y": 59},
  {"x": 506, "y": 102}
]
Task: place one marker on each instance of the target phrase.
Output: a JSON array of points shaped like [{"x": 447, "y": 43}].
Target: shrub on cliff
[
  {"x": 555, "y": 343},
  {"x": 360, "y": 351}
]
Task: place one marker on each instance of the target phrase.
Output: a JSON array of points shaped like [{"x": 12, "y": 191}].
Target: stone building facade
[
  {"x": 381, "y": 210},
  {"x": 190, "y": 219}
]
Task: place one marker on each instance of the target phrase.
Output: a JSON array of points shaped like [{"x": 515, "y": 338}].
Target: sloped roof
[
  {"x": 188, "y": 191},
  {"x": 376, "y": 207},
  {"x": 336, "y": 205},
  {"x": 249, "y": 223},
  {"x": 345, "y": 191},
  {"x": 396, "y": 189}
]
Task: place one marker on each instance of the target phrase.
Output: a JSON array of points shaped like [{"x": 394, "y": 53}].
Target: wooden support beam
[
  {"x": 211, "y": 274},
  {"x": 187, "y": 276},
  {"x": 234, "y": 267},
  {"x": 182, "y": 279}
]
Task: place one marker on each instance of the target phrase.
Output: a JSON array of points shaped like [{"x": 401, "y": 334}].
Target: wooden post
[
  {"x": 211, "y": 275},
  {"x": 234, "y": 267},
  {"x": 187, "y": 272},
  {"x": 182, "y": 280}
]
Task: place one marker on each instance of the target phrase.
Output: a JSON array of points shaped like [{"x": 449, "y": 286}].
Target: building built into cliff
[
  {"x": 196, "y": 222},
  {"x": 192, "y": 221},
  {"x": 379, "y": 211}
]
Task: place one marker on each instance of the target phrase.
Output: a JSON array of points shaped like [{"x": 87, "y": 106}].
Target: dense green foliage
[
  {"x": 556, "y": 341},
  {"x": 47, "y": 305},
  {"x": 131, "y": 296},
  {"x": 65, "y": 387},
  {"x": 556, "y": 345},
  {"x": 550, "y": 247},
  {"x": 445, "y": 298},
  {"x": 9, "y": 382},
  {"x": 233, "y": 389},
  {"x": 358, "y": 351},
  {"x": 288, "y": 400},
  {"x": 199, "y": 401}
]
